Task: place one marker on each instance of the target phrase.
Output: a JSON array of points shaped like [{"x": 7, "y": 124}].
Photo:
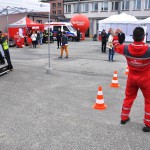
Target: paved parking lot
[{"x": 40, "y": 111}]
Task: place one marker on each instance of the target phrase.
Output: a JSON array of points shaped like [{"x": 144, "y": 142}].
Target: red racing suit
[{"x": 138, "y": 59}]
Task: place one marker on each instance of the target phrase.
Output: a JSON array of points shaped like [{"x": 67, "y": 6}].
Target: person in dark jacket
[
  {"x": 38, "y": 37},
  {"x": 78, "y": 35},
  {"x": 3, "y": 42},
  {"x": 59, "y": 36},
  {"x": 51, "y": 36},
  {"x": 104, "y": 41},
  {"x": 64, "y": 45},
  {"x": 121, "y": 36}
]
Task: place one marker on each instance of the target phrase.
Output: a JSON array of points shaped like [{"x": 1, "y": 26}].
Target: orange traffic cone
[
  {"x": 127, "y": 71},
  {"x": 114, "y": 83},
  {"x": 100, "y": 100}
]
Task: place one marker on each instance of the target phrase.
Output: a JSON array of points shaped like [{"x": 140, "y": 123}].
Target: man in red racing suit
[{"x": 138, "y": 58}]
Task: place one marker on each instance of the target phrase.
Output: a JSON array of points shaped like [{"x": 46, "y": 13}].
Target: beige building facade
[{"x": 97, "y": 10}]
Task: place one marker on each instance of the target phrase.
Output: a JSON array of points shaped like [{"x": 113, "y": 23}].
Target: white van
[{"x": 71, "y": 32}]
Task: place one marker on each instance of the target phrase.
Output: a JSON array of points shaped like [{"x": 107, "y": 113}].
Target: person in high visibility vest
[
  {"x": 138, "y": 58},
  {"x": 3, "y": 42}
]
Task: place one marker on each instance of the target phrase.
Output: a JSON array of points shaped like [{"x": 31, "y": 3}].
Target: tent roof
[
  {"x": 25, "y": 22},
  {"x": 121, "y": 18},
  {"x": 145, "y": 21},
  {"x": 18, "y": 6}
]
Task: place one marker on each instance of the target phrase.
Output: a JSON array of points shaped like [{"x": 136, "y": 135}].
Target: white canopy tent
[
  {"x": 18, "y": 6},
  {"x": 120, "y": 18},
  {"x": 146, "y": 23},
  {"x": 121, "y": 21},
  {"x": 24, "y": 6}
]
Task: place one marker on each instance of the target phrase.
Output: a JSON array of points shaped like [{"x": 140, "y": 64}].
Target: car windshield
[{"x": 71, "y": 28}]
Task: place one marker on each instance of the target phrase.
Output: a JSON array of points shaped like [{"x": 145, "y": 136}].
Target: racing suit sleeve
[{"x": 119, "y": 48}]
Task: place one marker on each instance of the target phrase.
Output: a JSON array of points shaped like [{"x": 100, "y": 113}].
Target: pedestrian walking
[
  {"x": 138, "y": 58},
  {"x": 64, "y": 45}
]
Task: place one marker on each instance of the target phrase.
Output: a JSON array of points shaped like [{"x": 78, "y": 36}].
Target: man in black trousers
[
  {"x": 104, "y": 41},
  {"x": 59, "y": 36},
  {"x": 78, "y": 35}
]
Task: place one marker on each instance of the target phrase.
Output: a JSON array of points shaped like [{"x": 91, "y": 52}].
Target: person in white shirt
[
  {"x": 34, "y": 39},
  {"x": 110, "y": 45}
]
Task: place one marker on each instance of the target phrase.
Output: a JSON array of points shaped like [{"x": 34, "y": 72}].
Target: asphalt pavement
[{"x": 40, "y": 111}]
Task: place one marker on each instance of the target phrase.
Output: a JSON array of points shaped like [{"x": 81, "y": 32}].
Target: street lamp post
[
  {"x": 7, "y": 25},
  {"x": 49, "y": 68}
]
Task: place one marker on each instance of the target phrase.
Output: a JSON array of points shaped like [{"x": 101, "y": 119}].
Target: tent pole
[
  {"x": 7, "y": 26},
  {"x": 49, "y": 69}
]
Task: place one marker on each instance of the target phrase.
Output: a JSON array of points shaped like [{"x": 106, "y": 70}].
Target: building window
[
  {"x": 53, "y": 5},
  {"x": 104, "y": 6},
  {"x": 115, "y": 6},
  {"x": 137, "y": 4},
  {"x": 125, "y": 5},
  {"x": 54, "y": 12},
  {"x": 147, "y": 4},
  {"x": 76, "y": 7},
  {"x": 68, "y": 8},
  {"x": 59, "y": 12},
  {"x": 95, "y": 6},
  {"x": 59, "y": 5},
  {"x": 85, "y": 7}
]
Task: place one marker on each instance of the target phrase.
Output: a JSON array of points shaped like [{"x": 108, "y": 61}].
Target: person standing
[
  {"x": 104, "y": 41},
  {"x": 4, "y": 44},
  {"x": 34, "y": 39},
  {"x": 38, "y": 37},
  {"x": 45, "y": 36},
  {"x": 64, "y": 45},
  {"x": 41, "y": 37},
  {"x": 59, "y": 36},
  {"x": 78, "y": 35},
  {"x": 51, "y": 36},
  {"x": 110, "y": 46},
  {"x": 121, "y": 36},
  {"x": 138, "y": 58}
]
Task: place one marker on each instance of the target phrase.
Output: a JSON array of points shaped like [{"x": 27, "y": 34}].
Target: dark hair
[
  {"x": 138, "y": 34},
  {"x": 1, "y": 32}
]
